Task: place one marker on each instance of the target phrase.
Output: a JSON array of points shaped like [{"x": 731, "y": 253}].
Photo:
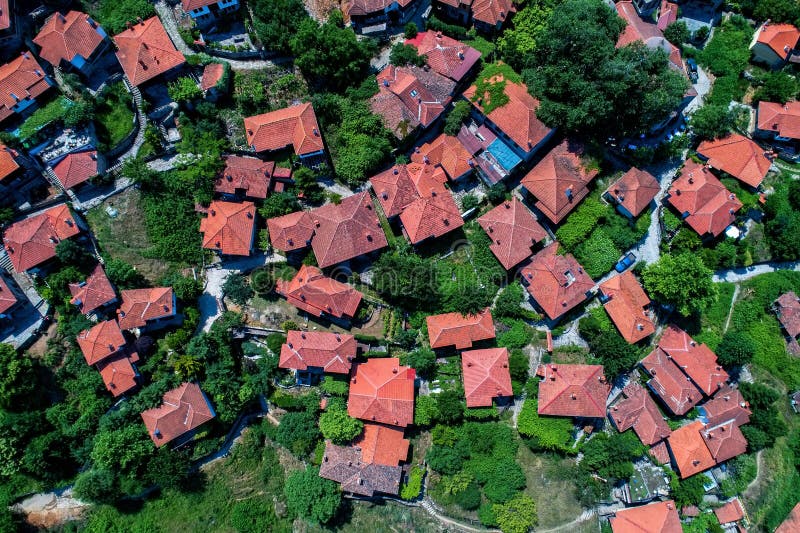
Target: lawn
[
  {"x": 114, "y": 117},
  {"x": 713, "y": 320}
]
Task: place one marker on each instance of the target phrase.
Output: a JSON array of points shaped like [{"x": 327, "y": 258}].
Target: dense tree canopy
[
  {"x": 312, "y": 497},
  {"x": 276, "y": 20},
  {"x": 17, "y": 377},
  {"x": 339, "y": 427},
  {"x": 682, "y": 281}
]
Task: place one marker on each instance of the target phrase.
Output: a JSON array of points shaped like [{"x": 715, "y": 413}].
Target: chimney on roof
[
  {"x": 213, "y": 212},
  {"x": 385, "y": 82},
  {"x": 469, "y": 363},
  {"x": 394, "y": 370},
  {"x": 302, "y": 335},
  {"x": 228, "y": 177},
  {"x": 568, "y": 193},
  {"x": 157, "y": 433},
  {"x": 316, "y": 132},
  {"x": 695, "y": 462},
  {"x": 426, "y": 159},
  {"x": 385, "y": 195},
  {"x": 53, "y": 240},
  {"x": 249, "y": 214},
  {"x": 461, "y": 55},
  {"x": 128, "y": 24},
  {"x": 573, "y": 396},
  {"x": 93, "y": 155},
  {"x": 563, "y": 303},
  {"x": 369, "y": 237},
  {"x": 710, "y": 434},
  {"x": 25, "y": 55},
  {"x": 110, "y": 347}
]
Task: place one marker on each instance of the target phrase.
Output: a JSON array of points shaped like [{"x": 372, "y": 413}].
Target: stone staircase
[
  {"x": 5, "y": 261},
  {"x": 51, "y": 177}
]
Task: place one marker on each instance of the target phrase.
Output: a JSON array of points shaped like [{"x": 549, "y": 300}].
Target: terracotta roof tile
[
  {"x": 33, "y": 241},
  {"x": 730, "y": 512},
  {"x": 65, "y": 36},
  {"x": 557, "y": 282},
  {"x": 559, "y": 181},
  {"x": 455, "y": 329},
  {"x": 636, "y": 29},
  {"x": 660, "y": 452},
  {"x": 787, "y": 307},
  {"x": 430, "y": 217},
  {"x": 364, "y": 8},
  {"x": 668, "y": 13},
  {"x": 7, "y": 297},
  {"x": 724, "y": 441},
  {"x": 382, "y": 445},
  {"x": 347, "y": 230},
  {"x": 689, "y": 450},
  {"x": 513, "y": 231},
  {"x": 343, "y": 464},
  {"x": 255, "y": 177},
  {"x": 486, "y": 376},
  {"x": 738, "y": 156},
  {"x": 401, "y": 185},
  {"x": 212, "y": 73},
  {"x": 101, "y": 341},
  {"x": 229, "y": 227},
  {"x": 8, "y": 163},
  {"x": 5, "y": 15},
  {"x": 517, "y": 118},
  {"x": 145, "y": 51},
  {"x": 573, "y": 390},
  {"x": 708, "y": 206},
  {"x": 294, "y": 126},
  {"x": 445, "y": 55},
  {"x": 638, "y": 411},
  {"x": 183, "y": 409},
  {"x": 317, "y": 294},
  {"x": 118, "y": 373},
  {"x": 382, "y": 391},
  {"x": 727, "y": 404},
  {"x": 189, "y": 5},
  {"x": 635, "y": 190},
  {"x": 291, "y": 232},
  {"x": 446, "y": 152},
  {"x": 492, "y": 12},
  {"x": 627, "y": 306},
  {"x": 140, "y": 306},
  {"x": 76, "y": 168},
  {"x": 782, "y": 119},
  {"x": 781, "y": 38},
  {"x": 792, "y": 522},
  {"x": 695, "y": 360},
  {"x": 659, "y": 517},
  {"x": 667, "y": 381},
  {"x": 93, "y": 293},
  {"x": 20, "y": 79},
  {"x": 332, "y": 352}
]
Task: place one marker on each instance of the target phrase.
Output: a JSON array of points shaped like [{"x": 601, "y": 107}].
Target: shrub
[
  {"x": 597, "y": 254},
  {"x": 677, "y": 33},
  {"x": 298, "y": 432},
  {"x": 405, "y": 54},
  {"x": 496, "y": 193},
  {"x": 412, "y": 487},
  {"x": 444, "y": 460},
  {"x": 338, "y": 426},
  {"x": 736, "y": 349},
  {"x": 410, "y": 30},
  {"x": 423, "y": 360},
  {"x": 549, "y": 434},
  {"x": 312, "y": 497},
  {"x": 517, "y": 515},
  {"x": 237, "y": 288},
  {"x": 425, "y": 411}
]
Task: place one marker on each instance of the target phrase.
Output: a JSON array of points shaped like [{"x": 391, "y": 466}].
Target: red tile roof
[
  {"x": 332, "y": 352},
  {"x": 781, "y": 38},
  {"x": 347, "y": 230},
  {"x": 183, "y": 409},
  {"x": 431, "y": 217},
  {"x": 710, "y": 206},
  {"x": 513, "y": 231},
  {"x": 229, "y": 227},
  {"x": 20, "y": 79},
  {"x": 145, "y": 51},
  {"x": 724, "y": 441},
  {"x": 118, "y": 373},
  {"x": 559, "y": 181},
  {"x": 101, "y": 341},
  {"x": 627, "y": 306},
  {"x": 33, "y": 241},
  {"x": 140, "y": 306},
  {"x": 677, "y": 392},
  {"x": 382, "y": 391},
  {"x": 727, "y": 404},
  {"x": 668, "y": 13},
  {"x": 783, "y": 119},
  {"x": 189, "y": 5},
  {"x": 7, "y": 298},
  {"x": 557, "y": 282},
  {"x": 635, "y": 190},
  {"x": 730, "y": 512},
  {"x": 343, "y": 464},
  {"x": 382, "y": 445},
  {"x": 446, "y": 152},
  {"x": 399, "y": 186},
  {"x": 637, "y": 29},
  {"x": 315, "y": 293},
  {"x": 696, "y": 360},
  {"x": 486, "y": 376},
  {"x": 787, "y": 307},
  {"x": 93, "y": 293},
  {"x": 294, "y": 126},
  {"x": 409, "y": 97},
  {"x": 639, "y": 411},
  {"x": 492, "y": 11},
  {"x": 660, "y": 452},
  {"x": 212, "y": 73},
  {"x": 249, "y": 174},
  {"x": 659, "y": 517},
  {"x": 65, "y": 36},
  {"x": 366, "y": 7},
  {"x": 8, "y": 165},
  {"x": 573, "y": 390},
  {"x": 517, "y": 118},
  {"x": 792, "y": 522},
  {"x": 5, "y": 15},
  {"x": 689, "y": 450},
  {"x": 445, "y": 55},
  {"x": 291, "y": 232},
  {"x": 738, "y": 156},
  {"x": 76, "y": 168},
  {"x": 455, "y": 329}
]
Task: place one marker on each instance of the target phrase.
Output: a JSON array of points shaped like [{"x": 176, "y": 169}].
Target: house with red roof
[
  {"x": 445, "y": 152},
  {"x": 792, "y": 522},
  {"x": 573, "y": 390},
  {"x": 445, "y": 55},
  {"x": 560, "y": 180},
  {"x": 703, "y": 201},
  {"x": 204, "y": 13},
  {"x": 459, "y": 331},
  {"x": 76, "y": 168},
  {"x": 778, "y": 122},
  {"x": 9, "y": 299},
  {"x": 22, "y": 83},
  {"x": 787, "y": 309},
  {"x": 381, "y": 444},
  {"x": 344, "y": 465},
  {"x": 489, "y": 16},
  {"x": 410, "y": 98},
  {"x": 10, "y": 37},
  {"x": 400, "y": 186},
  {"x": 774, "y": 43},
  {"x": 724, "y": 441},
  {"x": 229, "y": 228},
  {"x": 456, "y": 10},
  {"x": 181, "y": 412},
  {"x": 667, "y": 14},
  {"x": 430, "y": 217},
  {"x": 9, "y": 166},
  {"x": 292, "y": 127},
  {"x": 251, "y": 178},
  {"x": 101, "y": 341},
  {"x": 374, "y": 16},
  {"x": 737, "y": 156},
  {"x": 688, "y": 450},
  {"x": 730, "y": 513},
  {"x": 73, "y": 41},
  {"x": 628, "y": 306},
  {"x": 658, "y": 517},
  {"x": 31, "y": 242},
  {"x": 292, "y": 232},
  {"x": 382, "y": 391},
  {"x": 728, "y": 404},
  {"x": 633, "y": 192},
  {"x": 312, "y": 353},
  {"x": 145, "y": 52},
  {"x": 513, "y": 230},
  {"x": 486, "y": 376},
  {"x": 146, "y": 308},
  {"x": 637, "y": 410},
  {"x": 214, "y": 83},
  {"x": 94, "y": 293},
  {"x": 556, "y": 282},
  {"x": 319, "y": 295},
  {"x": 119, "y": 373}
]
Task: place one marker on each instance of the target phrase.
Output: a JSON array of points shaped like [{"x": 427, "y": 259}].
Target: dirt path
[
  {"x": 584, "y": 517},
  {"x": 751, "y": 488},
  {"x": 736, "y": 289},
  {"x": 431, "y": 510}
]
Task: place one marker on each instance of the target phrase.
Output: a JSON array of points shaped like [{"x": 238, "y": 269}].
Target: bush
[
  {"x": 312, "y": 497},
  {"x": 677, "y": 33},
  {"x": 338, "y": 426},
  {"x": 96, "y": 486},
  {"x": 548, "y": 434},
  {"x": 423, "y": 360},
  {"x": 516, "y": 516},
  {"x": 597, "y": 254},
  {"x": 237, "y": 288},
  {"x": 509, "y": 303},
  {"x": 496, "y": 193},
  {"x": 412, "y": 487},
  {"x": 298, "y": 432},
  {"x": 411, "y": 30},
  {"x": 455, "y": 118},
  {"x": 469, "y": 201},
  {"x": 405, "y": 54},
  {"x": 736, "y": 349}
]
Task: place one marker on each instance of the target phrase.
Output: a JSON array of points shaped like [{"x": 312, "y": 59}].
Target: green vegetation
[
  {"x": 490, "y": 86},
  {"x": 546, "y": 434},
  {"x": 607, "y": 458},
  {"x": 681, "y": 281},
  {"x": 114, "y": 115},
  {"x": 237, "y": 288},
  {"x": 113, "y": 15},
  {"x": 412, "y": 488},
  {"x": 311, "y": 497},
  {"x": 184, "y": 88},
  {"x": 337, "y": 426},
  {"x": 61, "y": 111},
  {"x": 405, "y": 54},
  {"x": 607, "y": 345},
  {"x": 518, "y": 43},
  {"x": 456, "y": 117}
]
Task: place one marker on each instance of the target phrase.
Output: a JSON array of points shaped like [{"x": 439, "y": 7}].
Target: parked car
[
  {"x": 626, "y": 262},
  {"x": 691, "y": 68}
]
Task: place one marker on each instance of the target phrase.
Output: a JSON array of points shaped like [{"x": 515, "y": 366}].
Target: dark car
[
  {"x": 691, "y": 68},
  {"x": 625, "y": 263}
]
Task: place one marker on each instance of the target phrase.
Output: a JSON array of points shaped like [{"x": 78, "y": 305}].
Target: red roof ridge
[
  {"x": 32, "y": 241},
  {"x": 63, "y": 37},
  {"x": 145, "y": 51},
  {"x": 486, "y": 376},
  {"x": 658, "y": 517},
  {"x": 183, "y": 410},
  {"x": 76, "y": 168},
  {"x": 738, "y": 156},
  {"x": 455, "y": 329},
  {"x": 627, "y": 306},
  {"x": 294, "y": 126},
  {"x": 709, "y": 207},
  {"x": 229, "y": 227},
  {"x": 101, "y": 341},
  {"x": 573, "y": 390},
  {"x": 93, "y": 293},
  {"x": 21, "y": 79},
  {"x": 381, "y": 390},
  {"x": 318, "y": 294},
  {"x": 332, "y": 352},
  {"x": 557, "y": 282},
  {"x": 513, "y": 230}
]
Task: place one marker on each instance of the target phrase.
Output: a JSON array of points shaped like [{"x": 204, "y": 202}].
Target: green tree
[
  {"x": 411, "y": 30},
  {"x": 425, "y": 411},
  {"x": 17, "y": 378},
  {"x": 450, "y": 406},
  {"x": 405, "y": 54},
  {"x": 298, "y": 432},
  {"x": 713, "y": 121},
  {"x": 279, "y": 204},
  {"x": 339, "y": 427},
  {"x": 677, "y": 33},
  {"x": 184, "y": 89},
  {"x": 778, "y": 87},
  {"x": 168, "y": 468},
  {"x": 275, "y": 21},
  {"x": 777, "y": 10},
  {"x": 736, "y": 349},
  {"x": 517, "y": 45},
  {"x": 306, "y": 182},
  {"x": 682, "y": 281},
  {"x": 237, "y": 288},
  {"x": 518, "y": 515},
  {"x": 311, "y": 497},
  {"x": 123, "y": 450},
  {"x": 423, "y": 360},
  {"x": 115, "y": 14},
  {"x": 96, "y": 486},
  {"x": 123, "y": 276},
  {"x": 689, "y": 491},
  {"x": 456, "y": 117},
  {"x": 70, "y": 252}
]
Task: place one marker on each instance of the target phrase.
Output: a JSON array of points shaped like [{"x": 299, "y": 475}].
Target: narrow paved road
[{"x": 735, "y": 275}]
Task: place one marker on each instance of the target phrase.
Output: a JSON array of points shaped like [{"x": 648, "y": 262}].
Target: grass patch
[
  {"x": 489, "y": 90},
  {"x": 712, "y": 322},
  {"x": 550, "y": 484},
  {"x": 114, "y": 116}
]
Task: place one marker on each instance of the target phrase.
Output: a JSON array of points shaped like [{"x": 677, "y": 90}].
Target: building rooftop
[
  {"x": 445, "y": 55},
  {"x": 696, "y": 360},
  {"x": 20, "y": 79},
  {"x": 787, "y": 307},
  {"x": 382, "y": 445},
  {"x": 101, "y": 341},
  {"x": 139, "y": 306},
  {"x": 8, "y": 163},
  {"x": 400, "y": 186},
  {"x": 118, "y": 373},
  {"x": 32, "y": 241},
  {"x": 627, "y": 306},
  {"x": 430, "y": 217},
  {"x": 332, "y": 352},
  {"x": 781, "y": 38},
  {"x": 486, "y": 376},
  {"x": 792, "y": 522},
  {"x": 724, "y": 441},
  {"x": 782, "y": 119},
  {"x": 7, "y": 297},
  {"x": 557, "y": 282},
  {"x": 689, "y": 451},
  {"x": 212, "y": 73},
  {"x": 93, "y": 293},
  {"x": 291, "y": 232},
  {"x": 63, "y": 37},
  {"x": 492, "y": 12},
  {"x": 447, "y": 152},
  {"x": 145, "y": 51},
  {"x": 460, "y": 331},
  {"x": 343, "y": 464},
  {"x": 667, "y": 381},
  {"x": 382, "y": 391},
  {"x": 183, "y": 409},
  {"x": 315, "y": 293},
  {"x": 573, "y": 390},
  {"x": 635, "y": 190},
  {"x": 76, "y": 168},
  {"x": 727, "y": 404},
  {"x": 732, "y": 511},
  {"x": 738, "y": 156},
  {"x": 513, "y": 230},
  {"x": 638, "y": 411},
  {"x": 252, "y": 176},
  {"x": 294, "y": 126},
  {"x": 229, "y": 227},
  {"x": 659, "y": 517}
]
